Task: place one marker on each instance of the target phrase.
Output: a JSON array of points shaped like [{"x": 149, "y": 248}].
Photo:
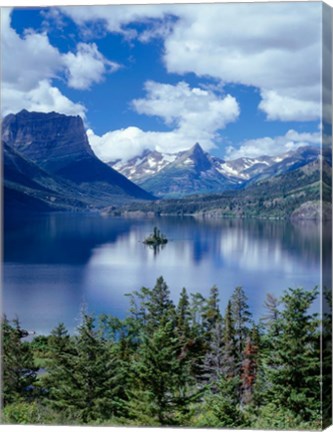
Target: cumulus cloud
[
  {"x": 186, "y": 107},
  {"x": 287, "y": 108},
  {"x": 25, "y": 61},
  {"x": 28, "y": 77},
  {"x": 194, "y": 114},
  {"x": 43, "y": 98},
  {"x": 115, "y": 17},
  {"x": 87, "y": 66},
  {"x": 274, "y": 146},
  {"x": 275, "y": 47}
]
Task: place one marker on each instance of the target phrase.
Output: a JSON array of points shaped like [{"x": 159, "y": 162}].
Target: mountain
[
  {"x": 295, "y": 194},
  {"x": 58, "y": 144},
  {"x": 194, "y": 171},
  {"x": 28, "y": 187},
  {"x": 145, "y": 165},
  {"x": 176, "y": 175}
]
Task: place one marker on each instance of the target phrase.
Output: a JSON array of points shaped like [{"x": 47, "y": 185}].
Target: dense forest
[{"x": 183, "y": 364}]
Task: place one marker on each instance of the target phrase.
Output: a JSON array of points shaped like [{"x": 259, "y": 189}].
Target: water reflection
[{"x": 55, "y": 263}]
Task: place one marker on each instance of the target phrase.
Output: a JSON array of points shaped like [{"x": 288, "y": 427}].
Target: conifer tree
[
  {"x": 212, "y": 320},
  {"x": 241, "y": 318},
  {"x": 183, "y": 315},
  {"x": 161, "y": 379},
  {"x": 59, "y": 379},
  {"x": 160, "y": 307},
  {"x": 292, "y": 356},
  {"x": 18, "y": 367},
  {"x": 82, "y": 379},
  {"x": 224, "y": 406},
  {"x": 211, "y": 311}
]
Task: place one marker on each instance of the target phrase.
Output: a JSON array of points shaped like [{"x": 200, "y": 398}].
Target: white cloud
[
  {"x": 25, "y": 61},
  {"x": 43, "y": 98},
  {"x": 132, "y": 141},
  {"x": 87, "y": 66},
  {"x": 186, "y": 107},
  {"x": 194, "y": 114},
  {"x": 286, "y": 108},
  {"x": 115, "y": 17},
  {"x": 273, "y": 146},
  {"x": 275, "y": 47},
  {"x": 30, "y": 64}
]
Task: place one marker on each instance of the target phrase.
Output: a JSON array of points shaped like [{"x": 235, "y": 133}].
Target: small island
[{"x": 156, "y": 238}]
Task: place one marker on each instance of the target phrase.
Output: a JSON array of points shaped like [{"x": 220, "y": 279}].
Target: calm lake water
[{"x": 54, "y": 264}]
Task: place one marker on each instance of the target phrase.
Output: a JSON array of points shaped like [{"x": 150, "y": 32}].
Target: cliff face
[
  {"x": 51, "y": 140},
  {"x": 59, "y": 145}
]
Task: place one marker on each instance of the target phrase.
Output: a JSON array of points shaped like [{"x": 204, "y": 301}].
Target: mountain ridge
[
  {"x": 165, "y": 174},
  {"x": 58, "y": 145}
]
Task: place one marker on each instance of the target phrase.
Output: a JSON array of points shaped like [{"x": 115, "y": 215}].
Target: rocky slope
[
  {"x": 58, "y": 144},
  {"x": 195, "y": 171},
  {"x": 189, "y": 172},
  {"x": 28, "y": 187}
]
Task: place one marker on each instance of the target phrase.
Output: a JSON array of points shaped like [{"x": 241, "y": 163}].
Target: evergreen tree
[
  {"x": 18, "y": 367},
  {"x": 211, "y": 312},
  {"x": 241, "y": 317},
  {"x": 82, "y": 379},
  {"x": 292, "y": 356},
  {"x": 160, "y": 307},
  {"x": 183, "y": 314},
  {"x": 327, "y": 358},
  {"x": 212, "y": 320},
  {"x": 161, "y": 380},
  {"x": 96, "y": 374},
  {"x": 222, "y": 407}
]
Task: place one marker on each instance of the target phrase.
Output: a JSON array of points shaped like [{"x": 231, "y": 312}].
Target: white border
[{"x": 37, "y": 3}]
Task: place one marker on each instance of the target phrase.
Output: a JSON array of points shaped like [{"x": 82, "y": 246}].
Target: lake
[{"x": 56, "y": 264}]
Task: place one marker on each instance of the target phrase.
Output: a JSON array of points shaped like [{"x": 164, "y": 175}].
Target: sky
[{"x": 240, "y": 79}]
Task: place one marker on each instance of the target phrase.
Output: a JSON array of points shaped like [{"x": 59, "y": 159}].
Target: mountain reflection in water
[{"x": 54, "y": 264}]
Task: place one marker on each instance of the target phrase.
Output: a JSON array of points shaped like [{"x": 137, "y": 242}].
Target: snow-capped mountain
[
  {"x": 147, "y": 164},
  {"x": 195, "y": 171},
  {"x": 173, "y": 175}
]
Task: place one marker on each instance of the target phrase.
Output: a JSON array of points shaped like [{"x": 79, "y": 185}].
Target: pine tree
[
  {"x": 161, "y": 380},
  {"x": 212, "y": 320},
  {"x": 18, "y": 367},
  {"x": 96, "y": 374},
  {"x": 211, "y": 311},
  {"x": 241, "y": 318},
  {"x": 223, "y": 406},
  {"x": 82, "y": 374},
  {"x": 183, "y": 314},
  {"x": 292, "y": 356},
  {"x": 160, "y": 307},
  {"x": 59, "y": 379}
]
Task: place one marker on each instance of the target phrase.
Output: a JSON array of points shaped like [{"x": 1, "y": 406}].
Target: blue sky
[{"x": 240, "y": 79}]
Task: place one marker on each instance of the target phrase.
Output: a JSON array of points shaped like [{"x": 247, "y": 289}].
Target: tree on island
[{"x": 156, "y": 238}]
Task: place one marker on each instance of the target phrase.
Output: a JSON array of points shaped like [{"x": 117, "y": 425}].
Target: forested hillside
[{"x": 183, "y": 364}]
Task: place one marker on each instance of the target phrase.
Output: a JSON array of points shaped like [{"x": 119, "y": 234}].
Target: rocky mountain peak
[
  {"x": 196, "y": 157},
  {"x": 58, "y": 144},
  {"x": 47, "y": 137}
]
